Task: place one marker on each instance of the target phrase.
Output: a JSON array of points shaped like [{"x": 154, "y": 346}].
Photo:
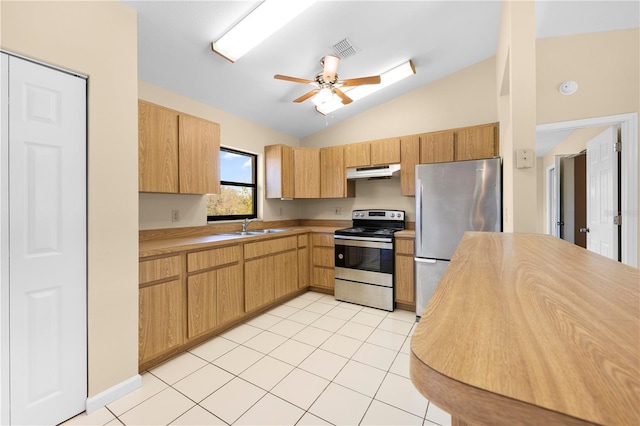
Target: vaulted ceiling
[{"x": 440, "y": 37}]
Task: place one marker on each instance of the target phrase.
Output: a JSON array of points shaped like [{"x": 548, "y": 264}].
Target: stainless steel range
[{"x": 364, "y": 258}]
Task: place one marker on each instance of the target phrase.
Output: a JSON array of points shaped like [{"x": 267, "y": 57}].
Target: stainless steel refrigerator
[{"x": 451, "y": 198}]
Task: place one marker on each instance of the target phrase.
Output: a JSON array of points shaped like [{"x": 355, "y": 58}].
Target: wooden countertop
[
  {"x": 164, "y": 246},
  {"x": 530, "y": 329}
]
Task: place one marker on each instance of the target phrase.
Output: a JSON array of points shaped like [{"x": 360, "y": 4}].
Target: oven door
[{"x": 364, "y": 261}]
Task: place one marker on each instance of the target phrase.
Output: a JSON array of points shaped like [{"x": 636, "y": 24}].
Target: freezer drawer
[
  {"x": 371, "y": 295},
  {"x": 428, "y": 273}
]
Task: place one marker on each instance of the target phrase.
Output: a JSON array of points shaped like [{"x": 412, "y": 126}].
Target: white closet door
[{"x": 47, "y": 247}]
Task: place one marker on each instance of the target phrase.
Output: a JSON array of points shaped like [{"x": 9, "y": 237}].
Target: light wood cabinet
[
  {"x": 333, "y": 179},
  {"x": 322, "y": 260},
  {"x": 306, "y": 163},
  {"x": 177, "y": 153},
  {"x": 279, "y": 171},
  {"x": 215, "y": 296},
  {"x": 373, "y": 153},
  {"x": 404, "y": 274},
  {"x": 161, "y": 319},
  {"x": 303, "y": 261},
  {"x": 271, "y": 270},
  {"x": 385, "y": 151},
  {"x": 437, "y": 147},
  {"x": 477, "y": 142},
  {"x": 357, "y": 154},
  {"x": 409, "y": 157}
]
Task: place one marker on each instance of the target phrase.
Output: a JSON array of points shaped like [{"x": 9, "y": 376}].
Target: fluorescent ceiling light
[
  {"x": 387, "y": 78},
  {"x": 264, "y": 20}
]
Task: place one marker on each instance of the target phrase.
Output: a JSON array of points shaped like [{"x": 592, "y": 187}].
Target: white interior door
[
  {"x": 602, "y": 194},
  {"x": 47, "y": 246}
]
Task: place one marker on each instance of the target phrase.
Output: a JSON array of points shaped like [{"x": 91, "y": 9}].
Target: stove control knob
[
  {"x": 341, "y": 256},
  {"x": 393, "y": 215}
]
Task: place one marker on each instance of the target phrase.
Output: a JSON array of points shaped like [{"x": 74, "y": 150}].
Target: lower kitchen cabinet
[
  {"x": 285, "y": 267},
  {"x": 259, "y": 287},
  {"x": 303, "y": 261},
  {"x": 404, "y": 274},
  {"x": 322, "y": 259},
  {"x": 230, "y": 294},
  {"x": 161, "y": 319}
]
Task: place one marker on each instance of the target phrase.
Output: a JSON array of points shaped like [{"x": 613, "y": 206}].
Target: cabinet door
[
  {"x": 357, "y": 154},
  {"x": 333, "y": 179},
  {"x": 259, "y": 283},
  {"x": 230, "y": 293},
  {"x": 404, "y": 278},
  {"x": 157, "y": 149},
  {"x": 303, "y": 267},
  {"x": 285, "y": 269},
  {"x": 278, "y": 161},
  {"x": 161, "y": 319},
  {"x": 409, "y": 157},
  {"x": 199, "y": 156},
  {"x": 201, "y": 303},
  {"x": 307, "y": 172},
  {"x": 385, "y": 151},
  {"x": 473, "y": 143},
  {"x": 437, "y": 147}
]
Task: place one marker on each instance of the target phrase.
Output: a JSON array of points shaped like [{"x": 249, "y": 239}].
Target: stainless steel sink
[{"x": 256, "y": 232}]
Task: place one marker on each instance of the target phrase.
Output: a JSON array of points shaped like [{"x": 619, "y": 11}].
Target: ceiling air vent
[{"x": 344, "y": 49}]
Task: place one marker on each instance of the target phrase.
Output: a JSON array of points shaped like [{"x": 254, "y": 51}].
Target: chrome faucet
[{"x": 246, "y": 222}]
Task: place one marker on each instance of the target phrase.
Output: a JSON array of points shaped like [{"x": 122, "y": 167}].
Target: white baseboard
[{"x": 113, "y": 393}]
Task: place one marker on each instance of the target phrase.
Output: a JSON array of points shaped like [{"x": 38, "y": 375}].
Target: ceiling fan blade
[
  {"x": 294, "y": 79},
  {"x": 306, "y": 96},
  {"x": 345, "y": 99},
  {"x": 360, "y": 81}
]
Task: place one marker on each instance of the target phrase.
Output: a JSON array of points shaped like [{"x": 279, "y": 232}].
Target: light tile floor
[{"x": 310, "y": 361}]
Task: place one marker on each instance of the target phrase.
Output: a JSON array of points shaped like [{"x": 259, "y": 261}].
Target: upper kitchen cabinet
[
  {"x": 357, "y": 154},
  {"x": 437, "y": 147},
  {"x": 306, "y": 166},
  {"x": 333, "y": 180},
  {"x": 385, "y": 151},
  {"x": 477, "y": 142},
  {"x": 279, "y": 171},
  {"x": 409, "y": 157},
  {"x": 373, "y": 153},
  {"x": 177, "y": 153}
]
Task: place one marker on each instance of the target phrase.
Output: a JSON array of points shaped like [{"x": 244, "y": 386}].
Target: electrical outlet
[
  {"x": 338, "y": 211},
  {"x": 175, "y": 215}
]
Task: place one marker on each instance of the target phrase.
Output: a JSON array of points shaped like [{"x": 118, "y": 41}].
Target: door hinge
[
  {"x": 617, "y": 147},
  {"x": 617, "y": 219}
]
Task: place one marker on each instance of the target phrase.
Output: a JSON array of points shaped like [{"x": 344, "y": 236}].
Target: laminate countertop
[{"x": 530, "y": 329}]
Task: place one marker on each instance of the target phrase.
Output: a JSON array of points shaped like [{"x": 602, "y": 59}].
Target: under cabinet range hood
[{"x": 374, "y": 172}]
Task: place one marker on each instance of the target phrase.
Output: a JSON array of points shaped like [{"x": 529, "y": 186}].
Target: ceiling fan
[{"x": 328, "y": 83}]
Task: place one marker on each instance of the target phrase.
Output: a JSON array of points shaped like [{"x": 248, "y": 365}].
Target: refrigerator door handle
[
  {"x": 423, "y": 260},
  {"x": 418, "y": 247}
]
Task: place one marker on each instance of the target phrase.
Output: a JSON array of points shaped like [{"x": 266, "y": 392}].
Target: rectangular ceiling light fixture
[
  {"x": 387, "y": 78},
  {"x": 257, "y": 26}
]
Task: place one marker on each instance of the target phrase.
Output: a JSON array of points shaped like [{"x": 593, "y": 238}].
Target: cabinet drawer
[
  {"x": 211, "y": 258},
  {"x": 325, "y": 240},
  {"x": 158, "y": 269},
  {"x": 323, "y": 256},
  {"x": 404, "y": 246},
  {"x": 303, "y": 240},
  {"x": 271, "y": 246}
]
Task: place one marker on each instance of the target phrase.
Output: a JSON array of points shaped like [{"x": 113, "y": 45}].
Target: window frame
[{"x": 253, "y": 185}]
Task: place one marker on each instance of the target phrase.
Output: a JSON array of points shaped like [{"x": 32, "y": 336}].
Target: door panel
[
  {"x": 47, "y": 230},
  {"x": 602, "y": 194}
]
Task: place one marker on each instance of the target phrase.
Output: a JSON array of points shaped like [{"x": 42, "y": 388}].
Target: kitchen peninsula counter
[{"x": 530, "y": 329}]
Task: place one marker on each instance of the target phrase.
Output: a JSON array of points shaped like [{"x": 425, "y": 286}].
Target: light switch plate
[{"x": 524, "y": 158}]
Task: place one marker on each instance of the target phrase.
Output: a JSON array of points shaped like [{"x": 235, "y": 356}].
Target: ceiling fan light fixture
[
  {"x": 257, "y": 26},
  {"x": 387, "y": 78},
  {"x": 323, "y": 96},
  {"x": 330, "y": 64}
]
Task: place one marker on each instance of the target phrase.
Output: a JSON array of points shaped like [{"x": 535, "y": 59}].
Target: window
[{"x": 237, "y": 198}]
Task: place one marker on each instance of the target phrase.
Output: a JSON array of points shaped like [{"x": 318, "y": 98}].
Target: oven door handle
[
  {"x": 384, "y": 245},
  {"x": 374, "y": 239}
]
